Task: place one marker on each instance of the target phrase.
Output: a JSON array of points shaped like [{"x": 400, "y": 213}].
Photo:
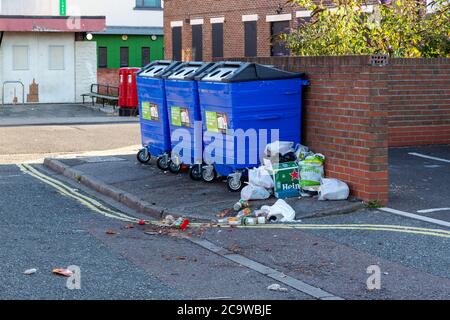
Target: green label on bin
[
  {"x": 216, "y": 122},
  {"x": 150, "y": 111},
  {"x": 176, "y": 116},
  {"x": 180, "y": 117},
  {"x": 211, "y": 121}
]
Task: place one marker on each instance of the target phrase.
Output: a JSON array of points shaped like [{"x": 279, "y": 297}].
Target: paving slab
[{"x": 159, "y": 193}]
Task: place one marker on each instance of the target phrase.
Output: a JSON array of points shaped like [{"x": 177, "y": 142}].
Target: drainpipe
[{"x": 1, "y": 38}]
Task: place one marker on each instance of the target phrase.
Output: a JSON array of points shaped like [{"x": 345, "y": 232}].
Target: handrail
[{"x": 10, "y": 82}]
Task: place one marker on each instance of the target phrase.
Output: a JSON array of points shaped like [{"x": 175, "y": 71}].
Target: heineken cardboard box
[{"x": 286, "y": 179}]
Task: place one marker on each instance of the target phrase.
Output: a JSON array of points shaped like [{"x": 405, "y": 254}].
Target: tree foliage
[{"x": 399, "y": 28}]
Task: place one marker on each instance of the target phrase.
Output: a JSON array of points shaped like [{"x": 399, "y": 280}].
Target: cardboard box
[{"x": 287, "y": 180}]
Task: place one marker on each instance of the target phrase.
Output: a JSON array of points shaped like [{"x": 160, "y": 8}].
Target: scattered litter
[
  {"x": 235, "y": 248},
  {"x": 63, "y": 272},
  {"x": 279, "y": 148},
  {"x": 301, "y": 152},
  {"x": 169, "y": 220},
  {"x": 280, "y": 212},
  {"x": 252, "y": 192},
  {"x": 111, "y": 232},
  {"x": 333, "y": 189},
  {"x": 181, "y": 258},
  {"x": 225, "y": 213},
  {"x": 181, "y": 224},
  {"x": 241, "y": 204},
  {"x": 30, "y": 272},
  {"x": 151, "y": 233},
  {"x": 234, "y": 222},
  {"x": 277, "y": 287},
  {"x": 130, "y": 226},
  {"x": 260, "y": 177},
  {"x": 249, "y": 221},
  {"x": 141, "y": 222},
  {"x": 287, "y": 180}
]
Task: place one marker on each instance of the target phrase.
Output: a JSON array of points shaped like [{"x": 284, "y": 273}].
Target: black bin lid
[
  {"x": 245, "y": 71},
  {"x": 188, "y": 70},
  {"x": 157, "y": 69}
]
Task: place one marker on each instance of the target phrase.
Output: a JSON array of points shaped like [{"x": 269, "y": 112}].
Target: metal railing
[{"x": 11, "y": 82}]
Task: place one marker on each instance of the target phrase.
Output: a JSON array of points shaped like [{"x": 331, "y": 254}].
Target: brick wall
[
  {"x": 354, "y": 111},
  {"x": 419, "y": 102},
  {"x": 346, "y": 119},
  {"x": 108, "y": 76}
]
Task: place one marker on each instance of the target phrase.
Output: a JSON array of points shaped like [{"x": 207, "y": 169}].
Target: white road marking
[
  {"x": 433, "y": 210},
  {"x": 428, "y": 157},
  {"x": 416, "y": 216}
]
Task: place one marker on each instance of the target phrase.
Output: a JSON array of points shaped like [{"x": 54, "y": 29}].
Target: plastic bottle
[{"x": 241, "y": 204}]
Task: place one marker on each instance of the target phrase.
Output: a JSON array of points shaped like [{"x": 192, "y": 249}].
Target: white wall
[
  {"x": 54, "y": 85},
  {"x": 117, "y": 12},
  {"x": 85, "y": 67}
]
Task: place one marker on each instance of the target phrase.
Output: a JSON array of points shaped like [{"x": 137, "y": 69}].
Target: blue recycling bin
[
  {"x": 154, "y": 119},
  {"x": 247, "y": 106},
  {"x": 185, "y": 117}
]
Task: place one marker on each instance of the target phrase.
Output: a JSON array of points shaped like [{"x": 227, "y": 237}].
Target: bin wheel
[
  {"x": 234, "y": 184},
  {"x": 209, "y": 174},
  {"x": 195, "y": 172},
  {"x": 143, "y": 156},
  {"x": 174, "y": 168},
  {"x": 163, "y": 163}
]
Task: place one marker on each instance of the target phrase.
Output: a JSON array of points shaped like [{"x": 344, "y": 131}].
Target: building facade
[
  {"x": 206, "y": 29},
  {"x": 43, "y": 58},
  {"x": 43, "y": 42},
  {"x": 133, "y": 35}
]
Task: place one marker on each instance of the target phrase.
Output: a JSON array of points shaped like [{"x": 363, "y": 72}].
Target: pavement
[
  {"x": 148, "y": 189},
  {"x": 59, "y": 114}
]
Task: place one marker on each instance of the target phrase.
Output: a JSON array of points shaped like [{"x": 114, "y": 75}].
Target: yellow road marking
[{"x": 96, "y": 206}]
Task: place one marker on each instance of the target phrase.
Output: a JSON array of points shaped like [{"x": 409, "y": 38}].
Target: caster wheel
[
  {"x": 209, "y": 174},
  {"x": 195, "y": 172},
  {"x": 174, "y": 168},
  {"x": 163, "y": 163},
  {"x": 143, "y": 156},
  {"x": 234, "y": 184}
]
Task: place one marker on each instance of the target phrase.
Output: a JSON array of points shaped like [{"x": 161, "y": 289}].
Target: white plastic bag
[
  {"x": 333, "y": 189},
  {"x": 281, "y": 211},
  {"x": 252, "y": 192},
  {"x": 260, "y": 177},
  {"x": 279, "y": 147}
]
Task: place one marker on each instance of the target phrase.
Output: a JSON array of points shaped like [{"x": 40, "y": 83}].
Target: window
[
  {"x": 103, "y": 57},
  {"x": 278, "y": 46},
  {"x": 56, "y": 58},
  {"x": 250, "y": 38},
  {"x": 176, "y": 43},
  {"x": 124, "y": 60},
  {"x": 217, "y": 40},
  {"x": 197, "y": 42},
  {"x": 145, "y": 56},
  {"x": 20, "y": 58},
  {"x": 148, "y": 4}
]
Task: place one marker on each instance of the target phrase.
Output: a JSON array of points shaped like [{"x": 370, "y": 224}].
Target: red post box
[
  {"x": 127, "y": 88},
  {"x": 132, "y": 93}
]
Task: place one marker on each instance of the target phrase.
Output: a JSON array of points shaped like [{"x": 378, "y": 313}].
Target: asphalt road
[
  {"x": 40, "y": 228},
  {"x": 418, "y": 182}
]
